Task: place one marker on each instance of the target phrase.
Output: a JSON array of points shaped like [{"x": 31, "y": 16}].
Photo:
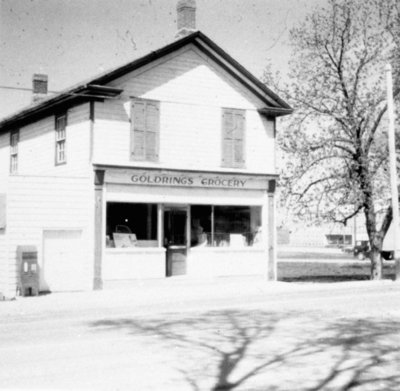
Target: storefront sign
[{"x": 186, "y": 179}]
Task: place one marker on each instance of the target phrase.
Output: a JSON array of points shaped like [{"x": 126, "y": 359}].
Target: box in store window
[{"x": 124, "y": 240}]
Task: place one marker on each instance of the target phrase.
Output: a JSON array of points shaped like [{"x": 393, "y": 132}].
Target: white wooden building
[{"x": 162, "y": 167}]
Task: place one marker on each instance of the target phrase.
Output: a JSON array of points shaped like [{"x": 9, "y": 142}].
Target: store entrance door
[{"x": 175, "y": 240}]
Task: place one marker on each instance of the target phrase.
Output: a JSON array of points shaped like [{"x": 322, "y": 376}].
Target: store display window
[
  {"x": 131, "y": 225},
  {"x": 225, "y": 226}
]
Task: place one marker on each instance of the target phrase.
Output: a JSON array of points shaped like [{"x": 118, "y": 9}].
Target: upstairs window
[
  {"x": 14, "y": 140},
  {"x": 61, "y": 137},
  {"x": 233, "y": 137},
  {"x": 145, "y": 129}
]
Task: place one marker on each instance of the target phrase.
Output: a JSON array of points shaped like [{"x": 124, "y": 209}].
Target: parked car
[
  {"x": 362, "y": 249},
  {"x": 388, "y": 255}
]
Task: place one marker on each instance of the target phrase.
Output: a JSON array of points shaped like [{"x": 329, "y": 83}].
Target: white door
[{"x": 64, "y": 261}]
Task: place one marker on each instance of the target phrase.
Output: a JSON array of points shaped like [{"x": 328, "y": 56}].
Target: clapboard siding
[
  {"x": 59, "y": 197},
  {"x": 36, "y": 153},
  {"x": 37, "y": 203},
  {"x": 192, "y": 92}
]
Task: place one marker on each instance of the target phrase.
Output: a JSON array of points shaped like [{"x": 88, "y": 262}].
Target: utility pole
[
  {"x": 354, "y": 230},
  {"x": 393, "y": 172}
]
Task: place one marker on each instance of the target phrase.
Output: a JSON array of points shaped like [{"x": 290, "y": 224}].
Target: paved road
[{"x": 233, "y": 334}]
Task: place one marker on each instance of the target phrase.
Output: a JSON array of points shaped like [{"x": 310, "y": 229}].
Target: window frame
[
  {"x": 60, "y": 139},
  {"x": 216, "y": 229},
  {"x": 14, "y": 145},
  {"x": 138, "y": 219},
  {"x": 145, "y": 156},
  {"x": 234, "y": 163}
]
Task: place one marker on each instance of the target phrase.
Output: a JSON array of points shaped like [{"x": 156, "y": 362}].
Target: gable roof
[{"x": 96, "y": 88}]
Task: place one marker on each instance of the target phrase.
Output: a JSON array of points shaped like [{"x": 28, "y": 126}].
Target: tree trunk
[{"x": 376, "y": 264}]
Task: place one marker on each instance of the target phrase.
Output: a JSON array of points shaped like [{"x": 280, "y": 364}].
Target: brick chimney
[
  {"x": 186, "y": 21},
  {"x": 39, "y": 86}
]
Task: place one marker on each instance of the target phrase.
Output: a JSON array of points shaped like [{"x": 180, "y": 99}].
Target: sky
[{"x": 73, "y": 40}]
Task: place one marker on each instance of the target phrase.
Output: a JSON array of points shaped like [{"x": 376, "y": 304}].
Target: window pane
[
  {"x": 14, "y": 140},
  {"x": 237, "y": 226},
  {"x": 60, "y": 134},
  {"x": 61, "y": 122},
  {"x": 60, "y": 128},
  {"x": 200, "y": 227},
  {"x": 128, "y": 218},
  {"x": 60, "y": 153}
]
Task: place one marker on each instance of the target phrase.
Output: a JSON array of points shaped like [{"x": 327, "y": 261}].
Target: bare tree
[{"x": 335, "y": 144}]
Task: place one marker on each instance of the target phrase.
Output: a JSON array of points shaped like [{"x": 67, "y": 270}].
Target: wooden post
[
  {"x": 160, "y": 224},
  {"x": 272, "y": 265},
  {"x": 149, "y": 221},
  {"x": 212, "y": 226},
  {"x": 188, "y": 227},
  {"x": 98, "y": 228}
]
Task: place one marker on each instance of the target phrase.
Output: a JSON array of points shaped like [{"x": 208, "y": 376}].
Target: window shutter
[
  {"x": 239, "y": 138},
  {"x": 227, "y": 138},
  {"x": 233, "y": 137},
  {"x": 138, "y": 129},
  {"x": 145, "y": 129},
  {"x": 152, "y": 130}
]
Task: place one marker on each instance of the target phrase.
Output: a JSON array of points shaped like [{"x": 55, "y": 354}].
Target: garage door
[{"x": 64, "y": 261}]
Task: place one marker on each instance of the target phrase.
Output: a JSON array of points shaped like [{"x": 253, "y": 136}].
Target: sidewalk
[{"x": 174, "y": 290}]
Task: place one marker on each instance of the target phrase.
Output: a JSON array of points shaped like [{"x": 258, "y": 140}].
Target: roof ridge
[{"x": 44, "y": 105}]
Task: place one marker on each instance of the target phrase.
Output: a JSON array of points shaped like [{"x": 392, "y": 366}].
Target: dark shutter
[{"x": 233, "y": 134}]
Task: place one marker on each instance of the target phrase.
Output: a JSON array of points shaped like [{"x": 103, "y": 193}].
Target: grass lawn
[{"x": 325, "y": 266}]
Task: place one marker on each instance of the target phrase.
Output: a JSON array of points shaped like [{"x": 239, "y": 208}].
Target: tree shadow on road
[
  {"x": 258, "y": 350},
  {"x": 369, "y": 355}
]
